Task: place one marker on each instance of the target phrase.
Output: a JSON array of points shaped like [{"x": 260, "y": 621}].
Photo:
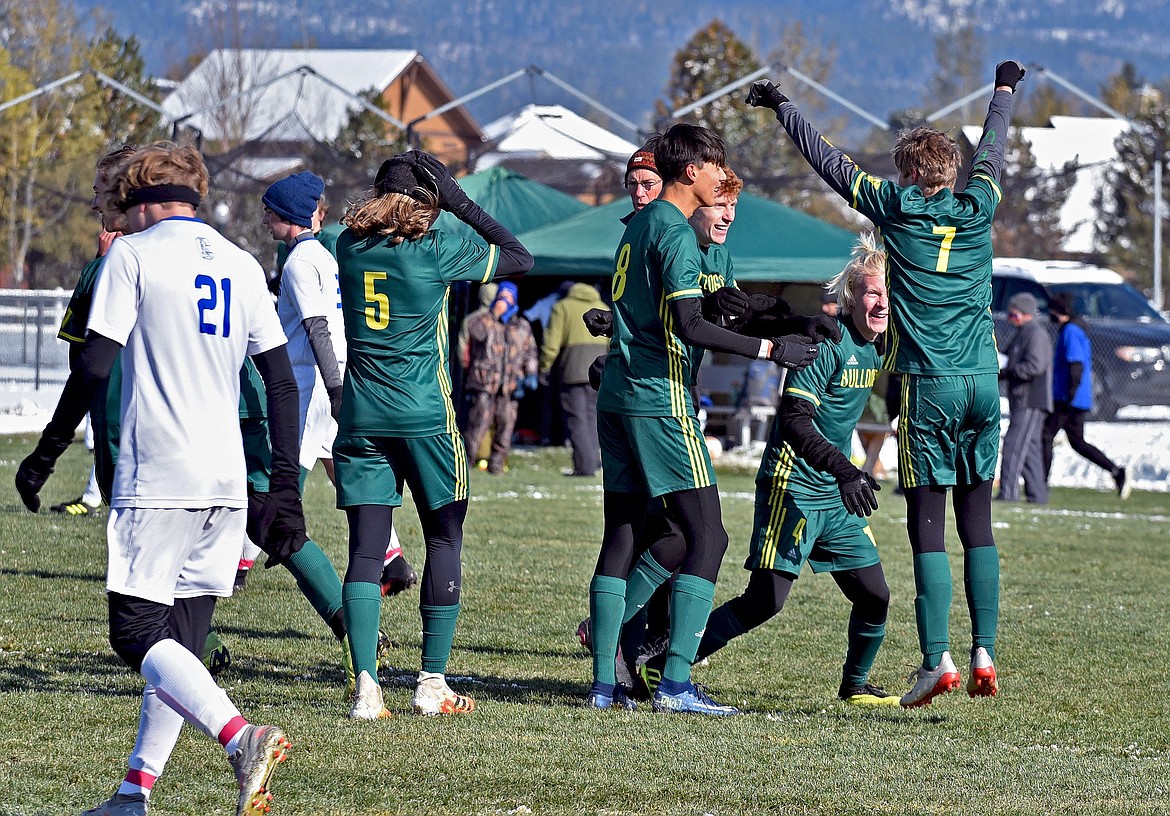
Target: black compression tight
[
  {"x": 624, "y": 514},
  {"x": 697, "y": 515},
  {"x": 926, "y": 509},
  {"x": 369, "y": 535}
]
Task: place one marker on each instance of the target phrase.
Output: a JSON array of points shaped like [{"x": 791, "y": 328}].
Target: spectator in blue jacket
[{"x": 1072, "y": 392}]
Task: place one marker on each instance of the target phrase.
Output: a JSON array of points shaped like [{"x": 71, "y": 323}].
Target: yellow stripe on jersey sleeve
[
  {"x": 800, "y": 392},
  {"x": 492, "y": 260},
  {"x": 994, "y": 187},
  {"x": 684, "y": 293}
]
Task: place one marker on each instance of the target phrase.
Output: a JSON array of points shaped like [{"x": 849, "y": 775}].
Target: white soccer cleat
[
  {"x": 930, "y": 683},
  {"x": 367, "y": 700},
  {"x": 432, "y": 695},
  {"x": 982, "y": 682}
]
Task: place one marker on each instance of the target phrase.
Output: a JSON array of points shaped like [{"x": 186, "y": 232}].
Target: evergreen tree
[{"x": 1125, "y": 201}]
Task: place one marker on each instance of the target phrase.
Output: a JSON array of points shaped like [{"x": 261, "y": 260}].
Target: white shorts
[
  {"x": 163, "y": 554},
  {"x": 319, "y": 430}
]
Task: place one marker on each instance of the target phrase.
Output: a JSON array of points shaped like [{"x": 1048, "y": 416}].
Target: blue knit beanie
[{"x": 294, "y": 198}]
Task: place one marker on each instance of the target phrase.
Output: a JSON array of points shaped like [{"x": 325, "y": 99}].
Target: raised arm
[
  {"x": 837, "y": 169},
  {"x": 989, "y": 154}
]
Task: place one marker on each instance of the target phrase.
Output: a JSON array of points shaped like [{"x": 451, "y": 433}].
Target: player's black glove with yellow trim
[
  {"x": 857, "y": 493},
  {"x": 793, "y": 351},
  {"x": 36, "y": 469},
  {"x": 1009, "y": 73},
  {"x": 817, "y": 327},
  {"x": 764, "y": 94},
  {"x": 599, "y": 322},
  {"x": 451, "y": 196}
]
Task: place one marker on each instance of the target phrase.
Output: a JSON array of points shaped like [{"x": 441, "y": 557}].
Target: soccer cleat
[
  {"x": 120, "y": 804},
  {"x": 367, "y": 700},
  {"x": 347, "y": 666},
  {"x": 262, "y": 748},
  {"x": 648, "y": 677},
  {"x": 397, "y": 576},
  {"x": 1123, "y": 478},
  {"x": 929, "y": 683},
  {"x": 693, "y": 700},
  {"x": 432, "y": 695},
  {"x": 77, "y": 507},
  {"x": 617, "y": 700},
  {"x": 982, "y": 681},
  {"x": 216, "y": 656},
  {"x": 867, "y": 695},
  {"x": 585, "y": 634}
]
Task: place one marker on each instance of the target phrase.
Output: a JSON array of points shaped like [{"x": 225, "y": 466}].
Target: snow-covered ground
[{"x": 1141, "y": 440}]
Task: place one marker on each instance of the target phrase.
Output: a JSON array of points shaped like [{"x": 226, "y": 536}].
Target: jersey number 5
[
  {"x": 209, "y": 304},
  {"x": 378, "y": 310}
]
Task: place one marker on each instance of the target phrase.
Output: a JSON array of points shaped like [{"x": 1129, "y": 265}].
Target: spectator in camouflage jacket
[{"x": 501, "y": 367}]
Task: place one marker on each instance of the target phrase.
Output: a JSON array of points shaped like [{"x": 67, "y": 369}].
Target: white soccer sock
[
  {"x": 158, "y": 731},
  {"x": 251, "y": 551},
  {"x": 395, "y": 548},
  {"x": 93, "y": 496},
  {"x": 183, "y": 683}
]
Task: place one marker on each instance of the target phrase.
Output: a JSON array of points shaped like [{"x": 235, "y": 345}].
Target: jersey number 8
[{"x": 619, "y": 274}]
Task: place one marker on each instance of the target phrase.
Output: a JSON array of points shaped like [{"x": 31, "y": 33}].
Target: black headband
[{"x": 159, "y": 193}]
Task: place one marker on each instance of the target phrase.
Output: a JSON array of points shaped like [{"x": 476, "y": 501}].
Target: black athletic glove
[
  {"x": 857, "y": 494},
  {"x": 599, "y": 322},
  {"x": 276, "y": 523},
  {"x": 817, "y": 327},
  {"x": 793, "y": 351},
  {"x": 36, "y": 469},
  {"x": 731, "y": 302},
  {"x": 451, "y": 196},
  {"x": 765, "y": 95},
  {"x": 335, "y": 403},
  {"x": 595, "y": 370},
  {"x": 1009, "y": 73}
]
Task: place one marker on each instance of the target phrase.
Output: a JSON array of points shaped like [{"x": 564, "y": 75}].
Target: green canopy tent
[
  {"x": 768, "y": 242},
  {"x": 517, "y": 202}
]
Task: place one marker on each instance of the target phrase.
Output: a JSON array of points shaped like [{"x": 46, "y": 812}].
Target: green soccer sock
[
  {"x": 864, "y": 641},
  {"x": 646, "y": 577},
  {"x": 932, "y": 605},
  {"x": 437, "y": 636},
  {"x": 362, "y": 608},
  {"x": 607, "y": 603},
  {"x": 722, "y": 627},
  {"x": 981, "y": 582},
  {"x": 317, "y": 579},
  {"x": 690, "y": 607}
]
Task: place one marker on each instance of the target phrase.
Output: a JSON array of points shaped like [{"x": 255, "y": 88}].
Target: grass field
[{"x": 1081, "y": 725}]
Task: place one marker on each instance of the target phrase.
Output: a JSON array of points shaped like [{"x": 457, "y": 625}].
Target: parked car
[{"x": 1130, "y": 338}]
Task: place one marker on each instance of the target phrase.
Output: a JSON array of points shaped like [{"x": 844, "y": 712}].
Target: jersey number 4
[{"x": 209, "y": 304}]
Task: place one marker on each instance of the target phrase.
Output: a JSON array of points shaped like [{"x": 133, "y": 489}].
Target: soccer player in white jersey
[
  {"x": 184, "y": 306},
  {"x": 309, "y": 306}
]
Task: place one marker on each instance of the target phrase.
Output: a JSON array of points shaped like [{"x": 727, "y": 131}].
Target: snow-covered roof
[
  {"x": 1056, "y": 271},
  {"x": 1088, "y": 141},
  {"x": 300, "y": 103},
  {"x": 551, "y": 132}
]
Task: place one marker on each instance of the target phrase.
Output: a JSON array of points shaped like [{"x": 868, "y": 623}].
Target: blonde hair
[
  {"x": 868, "y": 259},
  {"x": 402, "y": 216},
  {"x": 930, "y": 153},
  {"x": 163, "y": 163},
  {"x": 730, "y": 186}
]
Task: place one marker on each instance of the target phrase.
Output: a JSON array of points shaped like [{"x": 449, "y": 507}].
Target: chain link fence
[{"x": 30, "y": 353}]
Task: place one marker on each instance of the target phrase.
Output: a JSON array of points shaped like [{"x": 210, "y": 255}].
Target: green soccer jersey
[
  {"x": 838, "y": 383},
  {"x": 394, "y": 303},
  {"x": 648, "y": 367},
  {"x": 939, "y": 273},
  {"x": 77, "y": 314},
  {"x": 716, "y": 273}
]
